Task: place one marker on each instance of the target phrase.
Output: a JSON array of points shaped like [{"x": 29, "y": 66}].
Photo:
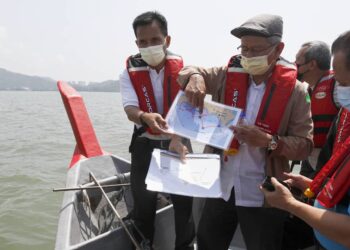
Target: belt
[{"x": 161, "y": 144}]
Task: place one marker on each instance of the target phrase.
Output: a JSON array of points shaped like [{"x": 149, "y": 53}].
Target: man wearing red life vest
[
  {"x": 148, "y": 87},
  {"x": 330, "y": 215},
  {"x": 278, "y": 127},
  {"x": 313, "y": 61}
]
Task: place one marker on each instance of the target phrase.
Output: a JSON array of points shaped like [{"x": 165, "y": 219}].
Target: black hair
[
  {"x": 342, "y": 43},
  {"x": 147, "y": 18}
]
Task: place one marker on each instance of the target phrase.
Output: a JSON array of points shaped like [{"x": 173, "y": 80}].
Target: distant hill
[{"x": 15, "y": 81}]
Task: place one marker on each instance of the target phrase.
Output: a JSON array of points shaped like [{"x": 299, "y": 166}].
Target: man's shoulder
[
  {"x": 235, "y": 62},
  {"x": 301, "y": 86},
  {"x": 172, "y": 55}
]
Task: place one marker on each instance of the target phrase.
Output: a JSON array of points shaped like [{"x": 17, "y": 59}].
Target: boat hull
[{"x": 81, "y": 227}]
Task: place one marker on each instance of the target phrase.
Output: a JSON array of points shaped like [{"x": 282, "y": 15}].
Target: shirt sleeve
[
  {"x": 214, "y": 77},
  {"x": 297, "y": 143},
  {"x": 127, "y": 91}
]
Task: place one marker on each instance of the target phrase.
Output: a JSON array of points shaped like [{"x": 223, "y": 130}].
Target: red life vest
[
  {"x": 332, "y": 183},
  {"x": 141, "y": 81},
  {"x": 279, "y": 88},
  {"x": 323, "y": 108}
]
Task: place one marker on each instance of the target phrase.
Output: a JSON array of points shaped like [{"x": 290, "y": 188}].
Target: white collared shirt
[
  {"x": 246, "y": 170},
  {"x": 129, "y": 96}
]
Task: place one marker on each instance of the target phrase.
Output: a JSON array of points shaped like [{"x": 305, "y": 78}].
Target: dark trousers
[
  {"x": 262, "y": 228},
  {"x": 297, "y": 233},
  {"x": 145, "y": 201}
]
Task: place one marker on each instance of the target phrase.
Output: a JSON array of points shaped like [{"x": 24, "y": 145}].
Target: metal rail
[
  {"x": 133, "y": 240},
  {"x": 91, "y": 187}
]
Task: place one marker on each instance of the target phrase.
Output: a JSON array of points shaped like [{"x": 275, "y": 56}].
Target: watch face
[{"x": 273, "y": 145}]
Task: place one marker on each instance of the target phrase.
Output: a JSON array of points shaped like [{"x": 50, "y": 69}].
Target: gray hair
[
  {"x": 274, "y": 40},
  {"x": 320, "y": 52}
]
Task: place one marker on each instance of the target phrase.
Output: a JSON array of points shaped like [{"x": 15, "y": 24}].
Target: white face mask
[
  {"x": 342, "y": 95},
  {"x": 153, "y": 55}
]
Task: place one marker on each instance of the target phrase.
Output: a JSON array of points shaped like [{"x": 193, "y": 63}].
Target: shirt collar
[
  {"x": 252, "y": 84},
  {"x": 154, "y": 72}
]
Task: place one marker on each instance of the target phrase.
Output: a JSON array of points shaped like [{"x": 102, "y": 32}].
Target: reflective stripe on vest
[
  {"x": 139, "y": 75},
  {"x": 279, "y": 88},
  {"x": 332, "y": 183}
]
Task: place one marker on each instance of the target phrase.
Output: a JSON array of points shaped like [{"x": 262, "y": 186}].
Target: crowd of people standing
[{"x": 293, "y": 112}]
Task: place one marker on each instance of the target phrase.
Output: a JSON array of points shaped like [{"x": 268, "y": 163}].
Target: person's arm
[
  {"x": 131, "y": 107},
  {"x": 252, "y": 135},
  {"x": 197, "y": 82},
  {"x": 176, "y": 145},
  {"x": 330, "y": 224},
  {"x": 152, "y": 120},
  {"x": 297, "y": 144},
  {"x": 297, "y": 181}
]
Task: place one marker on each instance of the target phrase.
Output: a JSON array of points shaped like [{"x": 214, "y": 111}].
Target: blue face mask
[{"x": 342, "y": 95}]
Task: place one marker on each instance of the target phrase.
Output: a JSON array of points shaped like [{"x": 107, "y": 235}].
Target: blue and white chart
[{"x": 211, "y": 127}]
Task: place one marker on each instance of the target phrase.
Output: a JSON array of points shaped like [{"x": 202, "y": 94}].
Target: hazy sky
[{"x": 90, "y": 40}]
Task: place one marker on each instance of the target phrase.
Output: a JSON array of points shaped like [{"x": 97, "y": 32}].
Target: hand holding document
[
  {"x": 211, "y": 127},
  {"x": 198, "y": 176}
]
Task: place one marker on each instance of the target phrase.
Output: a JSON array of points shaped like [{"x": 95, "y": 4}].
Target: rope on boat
[{"x": 133, "y": 240}]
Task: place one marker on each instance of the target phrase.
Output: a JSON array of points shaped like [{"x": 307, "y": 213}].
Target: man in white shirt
[
  {"x": 278, "y": 128},
  {"x": 148, "y": 86}
]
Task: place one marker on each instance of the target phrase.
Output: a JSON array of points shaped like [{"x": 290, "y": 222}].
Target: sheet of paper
[
  {"x": 211, "y": 127},
  {"x": 198, "y": 177}
]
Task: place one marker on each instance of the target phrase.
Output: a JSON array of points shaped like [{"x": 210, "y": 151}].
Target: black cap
[{"x": 262, "y": 25}]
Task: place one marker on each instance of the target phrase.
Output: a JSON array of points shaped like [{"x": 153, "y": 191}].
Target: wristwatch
[{"x": 273, "y": 144}]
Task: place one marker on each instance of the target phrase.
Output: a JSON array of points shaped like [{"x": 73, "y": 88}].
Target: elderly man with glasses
[{"x": 278, "y": 128}]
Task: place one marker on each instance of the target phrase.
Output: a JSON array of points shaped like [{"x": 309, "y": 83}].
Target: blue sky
[{"x": 89, "y": 40}]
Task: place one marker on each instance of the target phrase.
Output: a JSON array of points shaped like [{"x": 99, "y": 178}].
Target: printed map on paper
[{"x": 211, "y": 127}]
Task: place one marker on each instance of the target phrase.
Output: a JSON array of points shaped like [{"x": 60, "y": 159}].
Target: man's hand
[
  {"x": 280, "y": 198},
  {"x": 296, "y": 180},
  {"x": 177, "y": 146},
  {"x": 155, "y": 122},
  {"x": 196, "y": 90},
  {"x": 251, "y": 135}
]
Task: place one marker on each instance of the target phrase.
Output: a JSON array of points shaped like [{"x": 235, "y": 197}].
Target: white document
[
  {"x": 198, "y": 177},
  {"x": 211, "y": 127}
]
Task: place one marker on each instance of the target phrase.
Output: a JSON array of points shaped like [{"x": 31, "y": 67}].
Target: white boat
[{"x": 86, "y": 219}]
